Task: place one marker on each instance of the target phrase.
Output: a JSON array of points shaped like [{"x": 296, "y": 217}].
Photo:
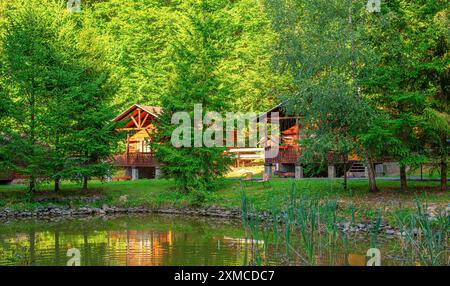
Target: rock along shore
[
  {"x": 68, "y": 211},
  {"x": 53, "y": 211}
]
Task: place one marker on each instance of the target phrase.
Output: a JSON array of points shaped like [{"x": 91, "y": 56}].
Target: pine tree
[
  {"x": 56, "y": 78},
  {"x": 27, "y": 58},
  {"x": 428, "y": 45},
  {"x": 92, "y": 139},
  {"x": 196, "y": 56}
]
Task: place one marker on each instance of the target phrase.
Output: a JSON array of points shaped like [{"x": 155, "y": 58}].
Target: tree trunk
[
  {"x": 32, "y": 186},
  {"x": 57, "y": 167},
  {"x": 403, "y": 182},
  {"x": 32, "y": 242},
  {"x": 85, "y": 183},
  {"x": 57, "y": 184},
  {"x": 57, "y": 248},
  {"x": 372, "y": 179},
  {"x": 352, "y": 48},
  {"x": 444, "y": 173},
  {"x": 345, "y": 173},
  {"x": 32, "y": 103}
]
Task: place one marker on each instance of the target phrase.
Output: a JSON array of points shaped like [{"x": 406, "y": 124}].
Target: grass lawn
[{"x": 265, "y": 196}]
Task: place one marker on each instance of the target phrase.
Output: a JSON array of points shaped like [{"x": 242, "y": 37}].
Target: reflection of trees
[
  {"x": 153, "y": 241},
  {"x": 32, "y": 238},
  {"x": 57, "y": 252}
]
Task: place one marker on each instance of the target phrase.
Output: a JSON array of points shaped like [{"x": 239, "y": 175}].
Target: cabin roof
[
  {"x": 152, "y": 110},
  {"x": 275, "y": 108}
]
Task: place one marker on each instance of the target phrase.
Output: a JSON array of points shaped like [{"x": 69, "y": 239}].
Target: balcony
[
  {"x": 287, "y": 154},
  {"x": 136, "y": 160}
]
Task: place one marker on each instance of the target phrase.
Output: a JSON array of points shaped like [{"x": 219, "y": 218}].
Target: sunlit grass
[{"x": 264, "y": 195}]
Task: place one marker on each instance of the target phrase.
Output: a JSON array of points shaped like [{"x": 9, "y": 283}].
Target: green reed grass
[
  {"x": 426, "y": 238},
  {"x": 306, "y": 227}
]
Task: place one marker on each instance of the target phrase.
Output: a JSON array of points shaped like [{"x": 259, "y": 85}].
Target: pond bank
[
  {"x": 52, "y": 211},
  {"x": 64, "y": 211}
]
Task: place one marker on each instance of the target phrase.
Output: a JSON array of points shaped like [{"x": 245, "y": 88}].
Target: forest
[{"x": 374, "y": 83}]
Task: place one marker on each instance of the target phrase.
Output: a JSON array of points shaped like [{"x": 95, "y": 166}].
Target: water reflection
[
  {"x": 167, "y": 240},
  {"x": 146, "y": 241}
]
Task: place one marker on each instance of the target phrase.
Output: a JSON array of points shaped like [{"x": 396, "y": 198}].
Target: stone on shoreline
[{"x": 53, "y": 211}]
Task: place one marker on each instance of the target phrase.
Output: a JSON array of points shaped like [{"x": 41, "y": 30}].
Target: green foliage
[
  {"x": 318, "y": 45},
  {"x": 64, "y": 75},
  {"x": 57, "y": 83},
  {"x": 28, "y": 57},
  {"x": 371, "y": 83},
  {"x": 408, "y": 77},
  {"x": 196, "y": 57},
  {"x": 144, "y": 33}
]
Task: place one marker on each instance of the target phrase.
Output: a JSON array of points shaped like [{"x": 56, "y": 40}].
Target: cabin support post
[
  {"x": 379, "y": 169},
  {"x": 134, "y": 173},
  {"x": 268, "y": 169},
  {"x": 331, "y": 172},
  {"x": 385, "y": 169},
  {"x": 277, "y": 166},
  {"x": 158, "y": 172},
  {"x": 298, "y": 172},
  {"x": 128, "y": 144}
]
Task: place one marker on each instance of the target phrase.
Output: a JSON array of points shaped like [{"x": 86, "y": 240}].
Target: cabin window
[{"x": 143, "y": 146}]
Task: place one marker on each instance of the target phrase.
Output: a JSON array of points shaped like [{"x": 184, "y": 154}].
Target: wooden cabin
[
  {"x": 286, "y": 163},
  {"x": 139, "y": 122}
]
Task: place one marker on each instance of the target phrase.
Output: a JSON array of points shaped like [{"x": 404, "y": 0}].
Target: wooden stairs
[{"x": 357, "y": 170}]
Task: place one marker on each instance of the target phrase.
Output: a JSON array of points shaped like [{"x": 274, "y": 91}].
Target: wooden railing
[
  {"x": 135, "y": 160},
  {"x": 286, "y": 154}
]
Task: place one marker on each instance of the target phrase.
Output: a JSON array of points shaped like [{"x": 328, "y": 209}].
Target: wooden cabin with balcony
[
  {"x": 138, "y": 160},
  {"x": 286, "y": 162}
]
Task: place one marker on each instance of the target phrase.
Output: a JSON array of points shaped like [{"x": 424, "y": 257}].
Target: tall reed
[{"x": 426, "y": 237}]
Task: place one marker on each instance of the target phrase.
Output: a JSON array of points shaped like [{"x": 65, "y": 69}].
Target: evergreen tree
[
  {"x": 196, "y": 56},
  {"x": 92, "y": 140},
  {"x": 389, "y": 91},
  {"x": 428, "y": 45},
  {"x": 27, "y": 58},
  {"x": 56, "y": 77}
]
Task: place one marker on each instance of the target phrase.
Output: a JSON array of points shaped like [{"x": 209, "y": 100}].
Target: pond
[{"x": 148, "y": 240}]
